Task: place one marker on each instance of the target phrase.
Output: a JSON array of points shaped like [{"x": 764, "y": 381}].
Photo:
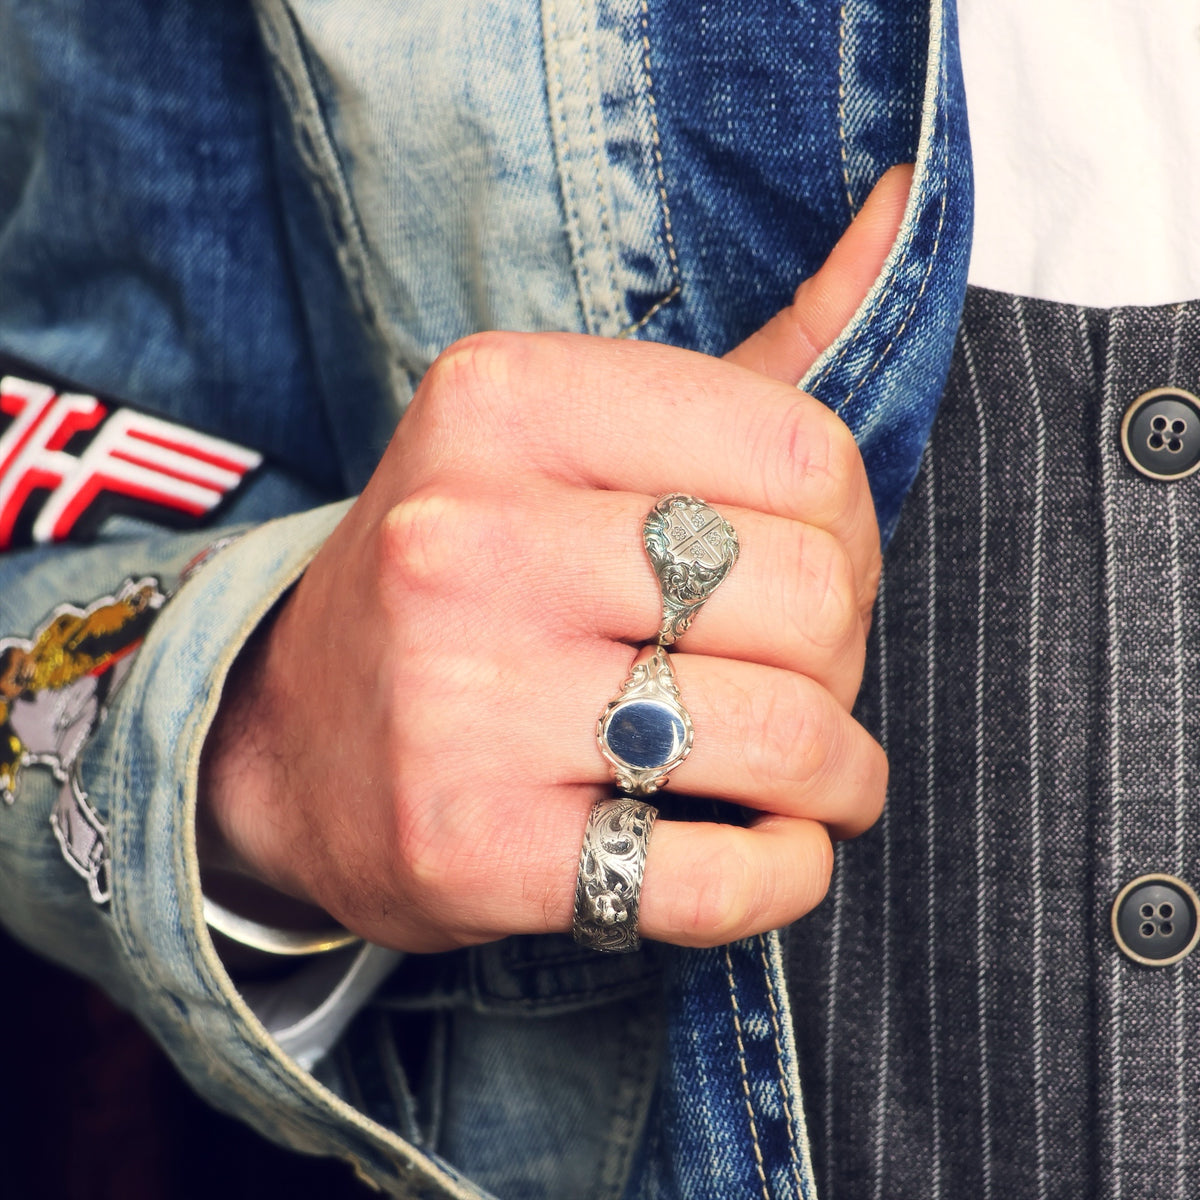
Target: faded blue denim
[{"x": 267, "y": 223}]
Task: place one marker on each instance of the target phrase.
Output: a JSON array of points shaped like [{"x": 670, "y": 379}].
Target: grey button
[
  {"x": 1154, "y": 920},
  {"x": 1160, "y": 433}
]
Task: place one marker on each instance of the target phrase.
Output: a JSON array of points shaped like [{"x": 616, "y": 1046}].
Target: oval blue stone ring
[{"x": 645, "y": 732}]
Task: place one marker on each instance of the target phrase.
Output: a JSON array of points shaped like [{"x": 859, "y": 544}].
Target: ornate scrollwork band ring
[
  {"x": 692, "y": 548},
  {"x": 611, "y": 863},
  {"x": 645, "y": 732}
]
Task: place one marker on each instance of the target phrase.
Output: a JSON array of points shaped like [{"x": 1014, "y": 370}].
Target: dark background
[{"x": 90, "y": 1109}]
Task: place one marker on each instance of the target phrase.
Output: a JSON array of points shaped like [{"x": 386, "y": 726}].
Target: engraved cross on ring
[{"x": 689, "y": 542}]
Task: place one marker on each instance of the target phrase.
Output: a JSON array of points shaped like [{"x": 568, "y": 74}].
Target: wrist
[{"x": 238, "y": 825}]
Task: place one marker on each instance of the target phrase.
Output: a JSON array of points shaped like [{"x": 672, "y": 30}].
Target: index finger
[{"x": 639, "y": 417}]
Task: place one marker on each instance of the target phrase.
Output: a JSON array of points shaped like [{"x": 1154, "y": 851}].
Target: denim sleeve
[{"x": 102, "y": 734}]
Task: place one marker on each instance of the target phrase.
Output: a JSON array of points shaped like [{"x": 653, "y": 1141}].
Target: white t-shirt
[{"x": 1085, "y": 130}]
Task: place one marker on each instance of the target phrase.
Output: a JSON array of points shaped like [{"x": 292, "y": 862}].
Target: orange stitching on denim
[
  {"x": 783, "y": 1084},
  {"x": 741, "y": 1045},
  {"x": 658, "y": 157},
  {"x": 651, "y": 312},
  {"x": 842, "y": 104}
]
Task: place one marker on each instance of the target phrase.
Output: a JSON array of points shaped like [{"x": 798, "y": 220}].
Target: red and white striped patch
[{"x": 67, "y": 461}]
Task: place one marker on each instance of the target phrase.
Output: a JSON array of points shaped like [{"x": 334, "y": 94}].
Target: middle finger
[{"x": 791, "y": 600}]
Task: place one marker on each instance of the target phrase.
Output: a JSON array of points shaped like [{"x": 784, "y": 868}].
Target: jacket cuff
[{"x": 145, "y": 761}]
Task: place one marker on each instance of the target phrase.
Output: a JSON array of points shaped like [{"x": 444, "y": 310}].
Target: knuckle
[
  {"x": 807, "y": 745},
  {"x": 844, "y": 468},
  {"x": 437, "y": 536},
  {"x": 785, "y": 733},
  {"x": 434, "y": 866},
  {"x": 815, "y": 870},
  {"x": 869, "y": 581},
  {"x": 866, "y": 789},
  {"x": 478, "y": 364},
  {"x": 831, "y": 620},
  {"x": 469, "y": 387},
  {"x": 417, "y": 538},
  {"x": 418, "y": 848},
  {"x": 422, "y": 864},
  {"x": 877, "y": 780},
  {"x": 819, "y": 460}
]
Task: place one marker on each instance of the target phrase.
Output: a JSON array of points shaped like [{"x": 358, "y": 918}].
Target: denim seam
[
  {"x": 557, "y": 107},
  {"x": 606, "y": 226},
  {"x": 866, "y": 321},
  {"x": 513, "y": 962},
  {"x": 402, "y": 1093},
  {"x": 350, "y": 1086},
  {"x": 595, "y": 315},
  {"x": 783, "y": 1084},
  {"x": 842, "y": 106},
  {"x": 660, "y": 177},
  {"x": 865, "y": 325},
  {"x": 656, "y": 139},
  {"x": 319, "y": 155},
  {"x": 437, "y": 1082},
  {"x": 749, "y": 1099},
  {"x": 485, "y": 1001},
  {"x": 930, "y": 260},
  {"x": 651, "y": 312},
  {"x": 481, "y": 998},
  {"x": 631, "y": 1094}
]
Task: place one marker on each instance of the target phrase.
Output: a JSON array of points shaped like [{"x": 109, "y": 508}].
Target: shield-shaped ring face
[{"x": 692, "y": 548}]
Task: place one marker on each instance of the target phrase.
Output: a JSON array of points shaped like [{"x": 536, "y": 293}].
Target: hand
[{"x": 410, "y": 744}]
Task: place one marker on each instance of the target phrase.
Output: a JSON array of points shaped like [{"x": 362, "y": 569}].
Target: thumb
[{"x": 789, "y": 343}]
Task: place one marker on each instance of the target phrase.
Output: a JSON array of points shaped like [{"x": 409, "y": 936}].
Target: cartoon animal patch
[{"x": 53, "y": 691}]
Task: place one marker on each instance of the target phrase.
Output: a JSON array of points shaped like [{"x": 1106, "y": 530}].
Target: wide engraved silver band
[{"x": 611, "y": 863}]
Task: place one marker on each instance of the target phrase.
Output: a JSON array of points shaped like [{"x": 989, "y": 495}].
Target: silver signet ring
[
  {"x": 692, "y": 548},
  {"x": 645, "y": 732},
  {"x": 611, "y": 863}
]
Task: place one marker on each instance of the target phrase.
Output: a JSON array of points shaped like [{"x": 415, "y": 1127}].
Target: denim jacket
[{"x": 262, "y": 224}]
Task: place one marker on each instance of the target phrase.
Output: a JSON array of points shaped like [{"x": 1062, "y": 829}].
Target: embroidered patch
[
  {"x": 53, "y": 692},
  {"x": 67, "y": 461}
]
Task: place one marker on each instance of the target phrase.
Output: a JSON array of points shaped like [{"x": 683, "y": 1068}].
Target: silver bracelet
[{"x": 271, "y": 940}]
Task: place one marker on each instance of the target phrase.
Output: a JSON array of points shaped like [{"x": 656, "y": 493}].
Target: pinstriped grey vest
[{"x": 967, "y": 1026}]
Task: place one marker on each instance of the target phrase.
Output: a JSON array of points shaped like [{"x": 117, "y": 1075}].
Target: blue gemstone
[{"x": 645, "y": 733}]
